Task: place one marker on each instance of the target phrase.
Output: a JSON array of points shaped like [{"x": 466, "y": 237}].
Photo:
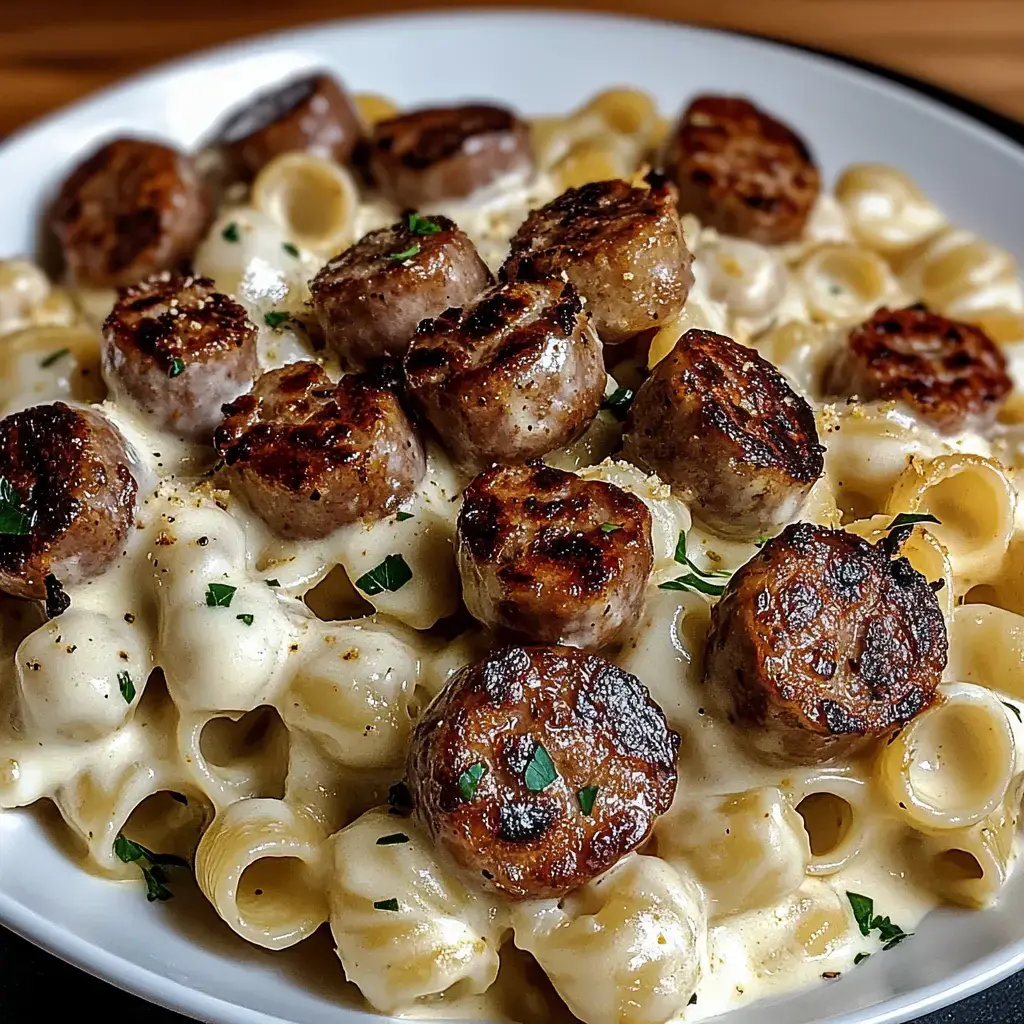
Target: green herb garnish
[
  {"x": 272, "y": 583},
  {"x": 219, "y": 595},
  {"x": 230, "y": 233},
  {"x": 407, "y": 254},
  {"x": 393, "y": 840},
  {"x": 391, "y": 904},
  {"x": 586, "y": 797},
  {"x": 247, "y": 619},
  {"x": 540, "y": 772},
  {"x": 610, "y": 527},
  {"x": 177, "y": 367},
  {"x": 401, "y": 517},
  {"x": 864, "y": 914},
  {"x": 901, "y": 528},
  {"x": 151, "y": 865},
  {"x": 391, "y": 574},
  {"x": 470, "y": 779},
  {"x": 124, "y": 681},
  {"x": 860, "y": 958},
  {"x": 422, "y": 225},
  {"x": 692, "y": 582},
  {"x": 53, "y": 357},
  {"x": 912, "y": 519},
  {"x": 274, "y": 318},
  {"x": 618, "y": 402},
  {"x": 292, "y": 250},
  {"x": 1014, "y": 709},
  {"x": 15, "y": 519}
]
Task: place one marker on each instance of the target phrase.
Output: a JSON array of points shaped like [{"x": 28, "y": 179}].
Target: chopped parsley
[
  {"x": 912, "y": 519},
  {"x": 219, "y": 595},
  {"x": 423, "y": 225},
  {"x": 292, "y": 250},
  {"x": 54, "y": 357},
  {"x": 540, "y": 772},
  {"x": 406, "y": 254},
  {"x": 860, "y": 958},
  {"x": 177, "y": 367},
  {"x": 900, "y": 529},
  {"x": 57, "y": 601},
  {"x": 151, "y": 864},
  {"x": 696, "y": 578},
  {"x": 391, "y": 904},
  {"x": 401, "y": 517},
  {"x": 247, "y": 619},
  {"x": 391, "y": 574},
  {"x": 393, "y": 840},
  {"x": 762, "y": 540},
  {"x": 864, "y": 914},
  {"x": 274, "y": 318},
  {"x": 586, "y": 797},
  {"x": 618, "y": 402},
  {"x": 610, "y": 527},
  {"x": 231, "y": 233},
  {"x": 470, "y": 779},
  {"x": 272, "y": 583},
  {"x": 124, "y": 681},
  {"x": 1014, "y": 709},
  {"x": 14, "y": 516}
]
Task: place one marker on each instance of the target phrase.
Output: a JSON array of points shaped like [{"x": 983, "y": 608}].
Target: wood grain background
[{"x": 53, "y": 51}]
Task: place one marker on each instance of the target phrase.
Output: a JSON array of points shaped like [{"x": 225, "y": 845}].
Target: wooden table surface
[{"x": 52, "y": 51}]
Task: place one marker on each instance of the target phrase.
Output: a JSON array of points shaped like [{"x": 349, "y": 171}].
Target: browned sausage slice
[
  {"x": 722, "y": 426},
  {"x": 310, "y": 114},
  {"x": 180, "y": 350},
  {"x": 823, "y": 643},
  {"x": 553, "y": 558},
  {"x": 741, "y": 171},
  {"x": 310, "y": 455},
  {"x": 447, "y": 152},
  {"x": 131, "y": 209},
  {"x": 510, "y": 378},
  {"x": 948, "y": 372},
  {"x": 540, "y": 767},
  {"x": 68, "y": 497},
  {"x": 370, "y": 298},
  {"x": 622, "y": 247}
]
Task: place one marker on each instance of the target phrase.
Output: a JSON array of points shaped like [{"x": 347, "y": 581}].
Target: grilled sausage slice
[
  {"x": 622, "y": 247},
  {"x": 68, "y": 497},
  {"x": 540, "y": 767},
  {"x": 447, "y": 152},
  {"x": 179, "y": 350},
  {"x": 510, "y": 378},
  {"x": 311, "y": 114},
  {"x": 553, "y": 558},
  {"x": 823, "y": 643},
  {"x": 370, "y": 298},
  {"x": 722, "y": 426},
  {"x": 310, "y": 455},
  {"x": 131, "y": 209},
  {"x": 742, "y": 171},
  {"x": 949, "y": 373}
]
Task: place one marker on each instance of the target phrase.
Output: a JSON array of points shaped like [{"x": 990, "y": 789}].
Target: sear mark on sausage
[
  {"x": 548, "y": 556},
  {"x": 724, "y": 429},
  {"x": 510, "y": 377},
  {"x": 369, "y": 303},
  {"x": 622, "y": 247},
  {"x": 823, "y": 643},
  {"x": 131, "y": 209},
  {"x": 180, "y": 350},
  {"x": 310, "y": 455},
  {"x": 599, "y": 727},
  {"x": 950, "y": 373},
  {"x": 70, "y": 471},
  {"x": 438, "y": 153},
  {"x": 741, "y": 171}
]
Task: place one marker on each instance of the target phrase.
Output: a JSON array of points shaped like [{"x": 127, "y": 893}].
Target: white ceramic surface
[{"x": 178, "y": 954}]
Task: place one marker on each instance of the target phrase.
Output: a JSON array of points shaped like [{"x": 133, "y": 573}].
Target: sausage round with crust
[
  {"x": 510, "y": 377},
  {"x": 131, "y": 209},
  {"x": 949, "y": 373},
  {"x": 309, "y": 114},
  {"x": 823, "y": 643},
  {"x": 724, "y": 429},
  {"x": 180, "y": 350},
  {"x": 438, "y": 153},
  {"x": 538, "y": 768},
  {"x": 551, "y": 557},
  {"x": 369, "y": 301},
  {"x": 622, "y": 247},
  {"x": 741, "y": 171},
  {"x": 68, "y": 494},
  {"x": 310, "y": 455}
]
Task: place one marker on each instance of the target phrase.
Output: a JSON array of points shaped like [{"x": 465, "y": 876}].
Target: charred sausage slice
[
  {"x": 741, "y": 171},
  {"x": 309, "y": 114},
  {"x": 622, "y": 247},
  {"x": 823, "y": 643},
  {"x": 180, "y": 350},
  {"x": 370, "y": 298},
  {"x": 310, "y": 455},
  {"x": 131, "y": 209},
  {"x": 949, "y": 373},
  {"x": 447, "y": 152},
  {"x": 553, "y": 558},
  {"x": 540, "y": 767},
  {"x": 511, "y": 377},
  {"x": 722, "y": 426},
  {"x": 68, "y": 497}
]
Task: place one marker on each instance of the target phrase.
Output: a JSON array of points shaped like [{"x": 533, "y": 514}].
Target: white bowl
[{"x": 179, "y": 955}]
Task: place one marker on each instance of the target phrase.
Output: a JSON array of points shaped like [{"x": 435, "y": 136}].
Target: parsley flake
[
  {"x": 129, "y": 852},
  {"x": 423, "y": 225},
  {"x": 762, "y": 540},
  {"x": 891, "y": 935},
  {"x": 391, "y": 574},
  {"x": 124, "y": 681},
  {"x": 292, "y": 250},
  {"x": 54, "y": 357},
  {"x": 618, "y": 402},
  {"x": 540, "y": 772},
  {"x": 610, "y": 527},
  {"x": 692, "y": 582},
  {"x": 406, "y": 254},
  {"x": 860, "y": 958},
  {"x": 247, "y": 619},
  {"x": 272, "y": 583},
  {"x": 401, "y": 517},
  {"x": 912, "y": 519},
  {"x": 470, "y": 779},
  {"x": 586, "y": 797},
  {"x": 177, "y": 367},
  {"x": 900, "y": 529},
  {"x": 15, "y": 520},
  {"x": 393, "y": 840},
  {"x": 274, "y": 318},
  {"x": 231, "y": 233},
  {"x": 219, "y": 595},
  {"x": 391, "y": 904},
  {"x": 1014, "y": 709}
]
